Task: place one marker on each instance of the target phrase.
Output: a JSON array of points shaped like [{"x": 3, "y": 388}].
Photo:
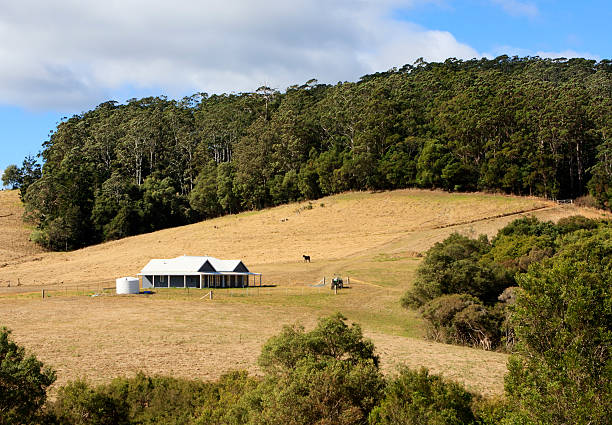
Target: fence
[{"x": 105, "y": 289}]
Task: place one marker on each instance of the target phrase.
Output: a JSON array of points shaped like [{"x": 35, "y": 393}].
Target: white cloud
[
  {"x": 74, "y": 53},
  {"x": 518, "y": 8}
]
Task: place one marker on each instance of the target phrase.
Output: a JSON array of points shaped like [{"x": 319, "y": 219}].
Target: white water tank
[{"x": 128, "y": 285}]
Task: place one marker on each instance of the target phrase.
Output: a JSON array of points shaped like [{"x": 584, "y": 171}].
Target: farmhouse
[{"x": 196, "y": 272}]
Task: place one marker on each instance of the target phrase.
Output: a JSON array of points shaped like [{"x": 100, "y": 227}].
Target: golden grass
[
  {"x": 14, "y": 238},
  {"x": 373, "y": 238}
]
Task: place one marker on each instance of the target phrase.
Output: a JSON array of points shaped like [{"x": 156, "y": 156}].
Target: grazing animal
[{"x": 306, "y": 258}]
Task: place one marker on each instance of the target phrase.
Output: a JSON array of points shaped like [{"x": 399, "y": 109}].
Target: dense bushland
[
  {"x": 561, "y": 372},
  {"x": 516, "y": 125},
  {"x": 466, "y": 288}
]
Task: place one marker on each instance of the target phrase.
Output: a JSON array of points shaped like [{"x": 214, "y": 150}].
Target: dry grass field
[
  {"x": 374, "y": 238},
  {"x": 14, "y": 236}
]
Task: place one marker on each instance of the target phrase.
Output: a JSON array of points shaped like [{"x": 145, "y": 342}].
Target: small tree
[
  {"x": 327, "y": 376},
  {"x": 29, "y": 172},
  {"x": 23, "y": 383},
  {"x": 12, "y": 176}
]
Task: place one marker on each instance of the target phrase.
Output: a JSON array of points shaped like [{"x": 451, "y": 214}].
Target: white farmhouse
[{"x": 196, "y": 272}]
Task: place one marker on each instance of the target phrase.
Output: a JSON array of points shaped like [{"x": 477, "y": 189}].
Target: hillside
[
  {"x": 14, "y": 236},
  {"x": 375, "y": 238},
  {"x": 333, "y": 228}
]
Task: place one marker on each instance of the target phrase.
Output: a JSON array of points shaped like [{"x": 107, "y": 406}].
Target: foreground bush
[
  {"x": 562, "y": 371},
  {"x": 329, "y": 375},
  {"x": 418, "y": 398},
  {"x": 150, "y": 400},
  {"x": 79, "y": 403},
  {"x": 23, "y": 383}
]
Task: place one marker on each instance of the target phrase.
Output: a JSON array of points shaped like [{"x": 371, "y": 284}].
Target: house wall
[
  {"x": 147, "y": 282},
  {"x": 193, "y": 281}
]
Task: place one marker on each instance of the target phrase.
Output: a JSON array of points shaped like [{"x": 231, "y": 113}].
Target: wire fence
[{"x": 107, "y": 289}]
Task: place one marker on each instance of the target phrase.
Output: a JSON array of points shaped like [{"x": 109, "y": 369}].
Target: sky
[{"x": 63, "y": 57}]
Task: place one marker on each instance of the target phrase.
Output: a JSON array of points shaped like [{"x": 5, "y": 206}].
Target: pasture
[{"x": 375, "y": 238}]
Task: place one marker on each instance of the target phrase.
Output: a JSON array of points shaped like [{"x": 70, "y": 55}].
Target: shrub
[
  {"x": 80, "y": 404},
  {"x": 326, "y": 376},
  {"x": 478, "y": 326},
  {"x": 574, "y": 223},
  {"x": 332, "y": 338},
  {"x": 441, "y": 311},
  {"x": 563, "y": 323},
  {"x": 462, "y": 319},
  {"x": 159, "y": 399},
  {"x": 528, "y": 226},
  {"x": 222, "y": 403},
  {"x": 491, "y": 411},
  {"x": 418, "y": 398},
  {"x": 23, "y": 383},
  {"x": 455, "y": 266}
]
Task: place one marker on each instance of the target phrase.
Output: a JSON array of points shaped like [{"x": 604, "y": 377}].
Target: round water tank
[{"x": 128, "y": 285}]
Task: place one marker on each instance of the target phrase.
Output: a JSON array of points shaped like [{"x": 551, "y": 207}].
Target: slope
[{"x": 375, "y": 238}]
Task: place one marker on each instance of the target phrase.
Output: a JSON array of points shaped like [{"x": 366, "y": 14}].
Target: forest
[{"x": 524, "y": 126}]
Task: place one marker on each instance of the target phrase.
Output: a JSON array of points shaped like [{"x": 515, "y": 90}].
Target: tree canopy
[{"x": 527, "y": 126}]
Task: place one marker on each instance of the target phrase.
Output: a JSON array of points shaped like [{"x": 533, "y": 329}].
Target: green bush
[
  {"x": 146, "y": 399},
  {"x": 528, "y": 226},
  {"x": 222, "y": 406},
  {"x": 574, "y": 223},
  {"x": 418, "y": 398},
  {"x": 326, "y": 376},
  {"x": 561, "y": 372},
  {"x": 160, "y": 399},
  {"x": 78, "y": 403},
  {"x": 456, "y": 266},
  {"x": 463, "y": 319},
  {"x": 332, "y": 338},
  {"x": 23, "y": 383}
]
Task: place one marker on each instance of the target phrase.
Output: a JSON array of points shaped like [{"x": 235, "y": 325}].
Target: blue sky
[{"x": 72, "y": 55}]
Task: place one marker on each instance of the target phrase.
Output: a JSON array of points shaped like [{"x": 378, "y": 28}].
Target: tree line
[{"x": 526, "y": 126}]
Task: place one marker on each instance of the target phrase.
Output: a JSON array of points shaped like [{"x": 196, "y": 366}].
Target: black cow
[{"x": 306, "y": 258}]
